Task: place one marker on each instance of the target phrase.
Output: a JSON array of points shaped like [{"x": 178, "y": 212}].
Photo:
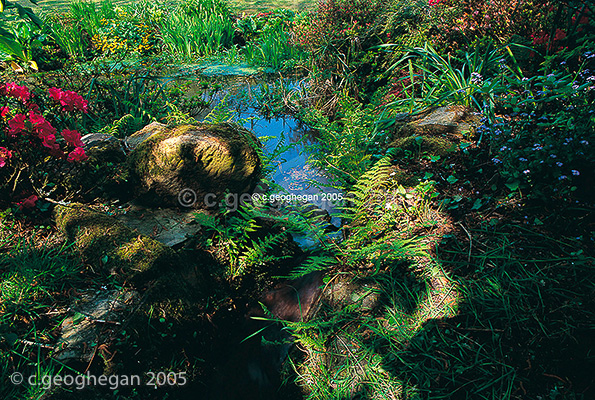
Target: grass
[
  {"x": 187, "y": 36},
  {"x": 241, "y": 5},
  {"x": 36, "y": 272},
  {"x": 493, "y": 323}
]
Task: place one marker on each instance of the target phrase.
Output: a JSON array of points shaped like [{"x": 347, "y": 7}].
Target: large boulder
[
  {"x": 194, "y": 165},
  {"x": 435, "y": 131}
]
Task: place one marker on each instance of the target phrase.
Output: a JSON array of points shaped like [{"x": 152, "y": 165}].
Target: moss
[
  {"x": 425, "y": 144},
  {"x": 108, "y": 245},
  {"x": 208, "y": 158}
]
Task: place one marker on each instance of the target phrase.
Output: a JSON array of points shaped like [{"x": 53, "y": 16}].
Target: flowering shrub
[
  {"x": 29, "y": 142},
  {"x": 336, "y": 21},
  {"x": 462, "y": 22},
  {"x": 543, "y": 142},
  {"x": 124, "y": 34}
]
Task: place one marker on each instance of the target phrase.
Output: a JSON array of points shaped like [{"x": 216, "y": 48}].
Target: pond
[{"x": 241, "y": 97}]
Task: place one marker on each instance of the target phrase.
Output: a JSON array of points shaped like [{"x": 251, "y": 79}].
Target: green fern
[
  {"x": 235, "y": 234},
  {"x": 315, "y": 263},
  {"x": 259, "y": 252},
  {"x": 221, "y": 113},
  {"x": 123, "y": 127}
]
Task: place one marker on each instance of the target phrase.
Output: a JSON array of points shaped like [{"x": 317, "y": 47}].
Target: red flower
[
  {"x": 16, "y": 91},
  {"x": 55, "y": 93},
  {"x": 29, "y": 202},
  {"x": 34, "y": 107},
  {"x": 77, "y": 154},
  {"x": 68, "y": 99},
  {"x": 16, "y": 125},
  {"x": 49, "y": 141},
  {"x": 40, "y": 126},
  {"x": 72, "y": 137},
  {"x": 4, "y": 111},
  {"x": 5, "y": 154}
]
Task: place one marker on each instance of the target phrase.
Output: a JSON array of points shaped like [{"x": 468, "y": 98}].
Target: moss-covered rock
[
  {"x": 208, "y": 159},
  {"x": 108, "y": 245},
  {"x": 435, "y": 146},
  {"x": 453, "y": 120},
  {"x": 435, "y": 132}
]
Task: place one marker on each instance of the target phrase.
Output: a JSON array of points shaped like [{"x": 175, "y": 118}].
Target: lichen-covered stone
[
  {"x": 436, "y": 131},
  {"x": 435, "y": 146},
  {"x": 206, "y": 158},
  {"x": 108, "y": 245},
  {"x": 455, "y": 120}
]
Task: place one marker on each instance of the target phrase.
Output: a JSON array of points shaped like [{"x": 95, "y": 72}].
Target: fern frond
[{"x": 312, "y": 264}]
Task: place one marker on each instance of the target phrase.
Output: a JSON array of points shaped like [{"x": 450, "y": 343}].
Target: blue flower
[
  {"x": 575, "y": 172},
  {"x": 496, "y": 161},
  {"x": 559, "y": 164},
  {"x": 523, "y": 159},
  {"x": 562, "y": 178},
  {"x": 526, "y": 171}
]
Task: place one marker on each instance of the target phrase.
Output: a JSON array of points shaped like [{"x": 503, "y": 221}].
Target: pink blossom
[
  {"x": 49, "y": 141},
  {"x": 77, "y": 154},
  {"x": 72, "y": 137},
  {"x": 40, "y": 126},
  {"x": 4, "y": 111},
  {"x": 5, "y": 154},
  {"x": 18, "y": 92},
  {"x": 55, "y": 93},
  {"x": 16, "y": 125},
  {"x": 34, "y": 107},
  {"x": 68, "y": 99},
  {"x": 29, "y": 202}
]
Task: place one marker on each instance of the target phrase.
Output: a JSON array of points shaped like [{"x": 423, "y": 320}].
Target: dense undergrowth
[{"x": 463, "y": 265}]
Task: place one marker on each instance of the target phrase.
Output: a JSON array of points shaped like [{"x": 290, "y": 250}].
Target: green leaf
[
  {"x": 477, "y": 205},
  {"x": 451, "y": 179},
  {"x": 26, "y": 12},
  {"x": 78, "y": 317},
  {"x": 12, "y": 47},
  {"x": 11, "y": 338},
  {"x": 513, "y": 185}
]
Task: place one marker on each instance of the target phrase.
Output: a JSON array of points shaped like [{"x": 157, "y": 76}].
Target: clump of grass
[
  {"x": 35, "y": 271},
  {"x": 197, "y": 28},
  {"x": 68, "y": 34},
  {"x": 272, "y": 46},
  {"x": 32, "y": 271}
]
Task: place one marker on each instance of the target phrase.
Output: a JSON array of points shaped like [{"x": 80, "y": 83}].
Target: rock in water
[{"x": 194, "y": 165}]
